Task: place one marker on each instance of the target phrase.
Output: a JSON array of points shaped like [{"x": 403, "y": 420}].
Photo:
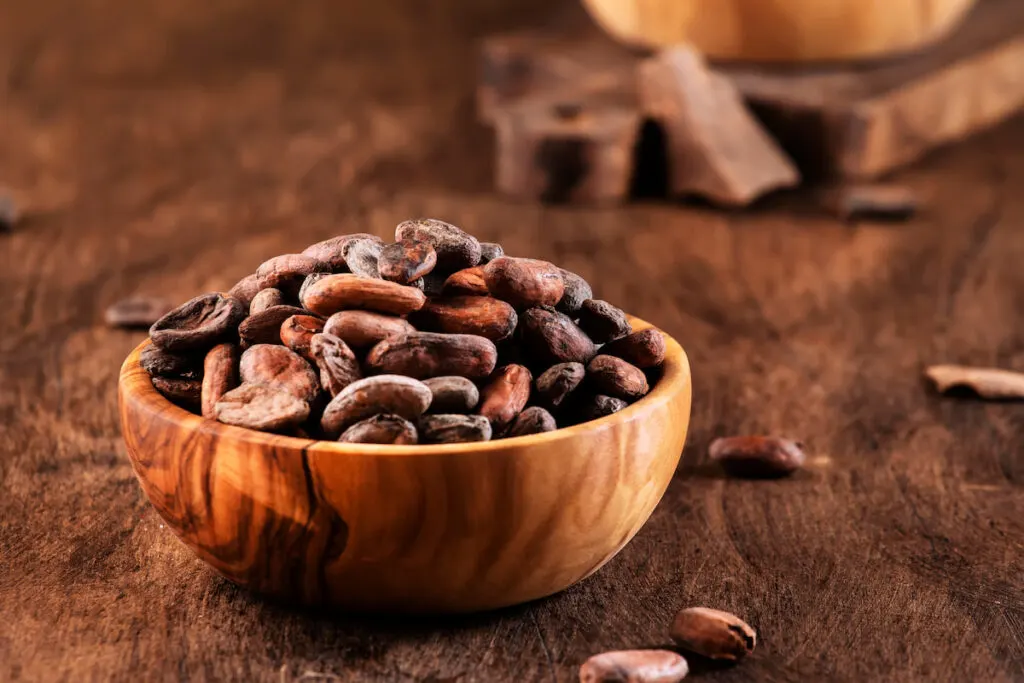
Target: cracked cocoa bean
[
  {"x": 427, "y": 354},
  {"x": 287, "y": 272},
  {"x": 365, "y": 328},
  {"x": 559, "y": 381},
  {"x": 341, "y": 292},
  {"x": 265, "y": 326},
  {"x": 381, "y": 429},
  {"x": 757, "y": 457},
  {"x": 644, "y": 349},
  {"x": 454, "y": 428},
  {"x": 452, "y": 394},
  {"x": 603, "y": 322},
  {"x": 615, "y": 377},
  {"x": 455, "y": 248},
  {"x": 554, "y": 338},
  {"x": 480, "y": 315},
  {"x": 261, "y": 407},
  {"x": 713, "y": 633},
  {"x": 338, "y": 366},
  {"x": 635, "y": 666},
  {"x": 406, "y": 261},
  {"x": 267, "y": 298},
  {"x": 533, "y": 420},
  {"x": 393, "y": 394},
  {"x": 220, "y": 375},
  {"x": 280, "y": 368},
  {"x": 199, "y": 323},
  {"x": 524, "y": 282},
  {"x": 505, "y": 396}
]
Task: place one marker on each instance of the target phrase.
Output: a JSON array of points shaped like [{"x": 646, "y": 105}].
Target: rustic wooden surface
[{"x": 169, "y": 147}]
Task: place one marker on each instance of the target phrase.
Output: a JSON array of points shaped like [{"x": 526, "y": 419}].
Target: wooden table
[{"x": 170, "y": 147}]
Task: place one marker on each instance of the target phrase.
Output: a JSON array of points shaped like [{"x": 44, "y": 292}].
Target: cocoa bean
[
  {"x": 644, "y": 349},
  {"x": 480, "y": 315},
  {"x": 393, "y": 394},
  {"x": 533, "y": 420},
  {"x": 554, "y": 338},
  {"x": 490, "y": 251},
  {"x": 426, "y": 354},
  {"x": 245, "y": 289},
  {"x": 597, "y": 406},
  {"x": 361, "y": 254},
  {"x": 310, "y": 280},
  {"x": 713, "y": 633},
  {"x": 286, "y": 272},
  {"x": 558, "y": 382},
  {"x": 454, "y": 428},
  {"x": 406, "y": 261},
  {"x": 615, "y": 377},
  {"x": 466, "y": 282},
  {"x": 433, "y": 283},
  {"x": 265, "y": 326},
  {"x": 338, "y": 366},
  {"x": 220, "y": 375},
  {"x": 137, "y": 311},
  {"x": 452, "y": 394},
  {"x": 635, "y": 666},
  {"x": 340, "y": 292},
  {"x": 577, "y": 290},
  {"x": 199, "y": 323},
  {"x": 261, "y": 407},
  {"x": 365, "y": 328},
  {"x": 523, "y": 282},
  {"x": 757, "y": 457},
  {"x": 381, "y": 429},
  {"x": 505, "y": 396},
  {"x": 187, "y": 393},
  {"x": 267, "y": 298},
  {"x": 297, "y": 332},
  {"x": 157, "y": 361},
  {"x": 332, "y": 251},
  {"x": 603, "y": 322},
  {"x": 280, "y": 368},
  {"x": 455, "y": 248}
]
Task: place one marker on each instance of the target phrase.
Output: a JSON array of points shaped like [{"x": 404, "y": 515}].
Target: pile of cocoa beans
[{"x": 435, "y": 338}]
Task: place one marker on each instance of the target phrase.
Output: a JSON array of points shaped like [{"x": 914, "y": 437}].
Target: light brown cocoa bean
[
  {"x": 297, "y": 332},
  {"x": 139, "y": 311},
  {"x": 452, "y": 394},
  {"x": 524, "y": 282},
  {"x": 381, "y": 429},
  {"x": 332, "y": 251},
  {"x": 455, "y": 248},
  {"x": 490, "y": 251},
  {"x": 341, "y": 292},
  {"x": 480, "y": 315},
  {"x": 360, "y": 329},
  {"x": 577, "y": 290},
  {"x": 454, "y": 428},
  {"x": 757, "y": 457},
  {"x": 559, "y": 381},
  {"x": 245, "y": 289},
  {"x": 615, "y": 377},
  {"x": 287, "y": 271},
  {"x": 267, "y": 298},
  {"x": 603, "y": 322},
  {"x": 505, "y": 396},
  {"x": 261, "y": 407},
  {"x": 713, "y": 633},
  {"x": 220, "y": 375},
  {"x": 406, "y": 261},
  {"x": 338, "y": 366},
  {"x": 592, "y": 407},
  {"x": 635, "y": 666},
  {"x": 644, "y": 349},
  {"x": 533, "y": 420},
  {"x": 361, "y": 254},
  {"x": 198, "y": 324},
  {"x": 466, "y": 282},
  {"x": 553, "y": 337},
  {"x": 426, "y": 354},
  {"x": 187, "y": 393},
  {"x": 265, "y": 326},
  {"x": 392, "y": 394},
  {"x": 157, "y": 361},
  {"x": 280, "y": 368}
]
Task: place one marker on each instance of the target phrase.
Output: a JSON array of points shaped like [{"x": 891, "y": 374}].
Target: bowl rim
[{"x": 144, "y": 397}]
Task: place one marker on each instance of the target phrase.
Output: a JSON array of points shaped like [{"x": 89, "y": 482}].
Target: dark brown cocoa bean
[
  {"x": 187, "y": 393},
  {"x": 480, "y": 315},
  {"x": 452, "y": 394},
  {"x": 342, "y": 292},
  {"x": 361, "y": 255},
  {"x": 635, "y": 666},
  {"x": 713, "y": 633},
  {"x": 406, "y": 261},
  {"x": 137, "y": 311},
  {"x": 287, "y": 272},
  {"x": 592, "y": 407},
  {"x": 297, "y": 332},
  {"x": 577, "y": 290},
  {"x": 426, "y": 354},
  {"x": 220, "y": 375},
  {"x": 466, "y": 282},
  {"x": 267, "y": 298},
  {"x": 392, "y": 394},
  {"x": 505, "y": 396},
  {"x": 490, "y": 251},
  {"x": 757, "y": 457},
  {"x": 559, "y": 381},
  {"x": 310, "y": 280},
  {"x": 360, "y": 329},
  {"x": 332, "y": 251},
  {"x": 261, "y": 407},
  {"x": 245, "y": 289},
  {"x": 454, "y": 428},
  {"x": 603, "y": 322},
  {"x": 644, "y": 349},
  {"x": 199, "y": 323},
  {"x": 554, "y": 338},
  {"x": 615, "y": 377},
  {"x": 281, "y": 368},
  {"x": 338, "y": 366},
  {"x": 455, "y": 248},
  {"x": 265, "y": 326},
  {"x": 433, "y": 283},
  {"x": 533, "y": 420},
  {"x": 161, "y": 363},
  {"x": 381, "y": 429},
  {"x": 524, "y": 282}
]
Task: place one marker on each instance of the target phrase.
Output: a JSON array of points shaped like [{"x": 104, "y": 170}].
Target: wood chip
[
  {"x": 878, "y": 201},
  {"x": 989, "y": 383}
]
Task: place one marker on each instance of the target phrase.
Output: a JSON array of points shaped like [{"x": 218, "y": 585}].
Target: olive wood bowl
[{"x": 429, "y": 528}]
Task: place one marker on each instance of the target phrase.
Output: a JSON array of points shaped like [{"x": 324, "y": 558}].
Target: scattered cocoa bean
[
  {"x": 644, "y": 349},
  {"x": 554, "y": 338},
  {"x": 557, "y": 382},
  {"x": 466, "y": 282},
  {"x": 505, "y": 395},
  {"x": 287, "y": 272},
  {"x": 713, "y": 633},
  {"x": 361, "y": 254},
  {"x": 340, "y": 292},
  {"x": 757, "y": 457},
  {"x": 185, "y": 392},
  {"x": 265, "y": 327},
  {"x": 381, "y": 429},
  {"x": 137, "y": 311},
  {"x": 426, "y": 354},
  {"x": 280, "y": 368},
  {"x": 157, "y": 361},
  {"x": 220, "y": 375},
  {"x": 635, "y": 666},
  {"x": 524, "y": 282},
  {"x": 577, "y": 290},
  {"x": 245, "y": 289},
  {"x": 267, "y": 298},
  {"x": 199, "y": 323},
  {"x": 480, "y": 315},
  {"x": 615, "y": 377},
  {"x": 9, "y": 213},
  {"x": 533, "y": 420},
  {"x": 261, "y": 407},
  {"x": 603, "y": 322},
  {"x": 338, "y": 366},
  {"x": 490, "y": 251},
  {"x": 454, "y": 428},
  {"x": 455, "y": 248},
  {"x": 297, "y": 332},
  {"x": 597, "y": 406},
  {"x": 393, "y": 394},
  {"x": 452, "y": 394},
  {"x": 332, "y": 251},
  {"x": 365, "y": 328},
  {"x": 404, "y": 262}
]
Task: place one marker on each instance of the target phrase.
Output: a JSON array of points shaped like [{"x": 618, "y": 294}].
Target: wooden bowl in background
[
  {"x": 781, "y": 30},
  {"x": 444, "y": 528}
]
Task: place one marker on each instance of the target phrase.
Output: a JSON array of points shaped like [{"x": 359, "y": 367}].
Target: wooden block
[
  {"x": 878, "y": 201},
  {"x": 717, "y": 149},
  {"x": 567, "y": 152}
]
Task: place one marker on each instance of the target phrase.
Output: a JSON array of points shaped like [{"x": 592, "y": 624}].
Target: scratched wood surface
[{"x": 171, "y": 146}]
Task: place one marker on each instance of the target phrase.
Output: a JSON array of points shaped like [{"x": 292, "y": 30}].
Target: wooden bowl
[
  {"x": 441, "y": 528},
  {"x": 781, "y": 30}
]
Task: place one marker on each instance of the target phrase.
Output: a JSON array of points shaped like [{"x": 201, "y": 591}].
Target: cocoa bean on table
[
  {"x": 635, "y": 666},
  {"x": 261, "y": 407},
  {"x": 454, "y": 428},
  {"x": 393, "y": 394},
  {"x": 405, "y": 261},
  {"x": 281, "y": 368},
  {"x": 381, "y": 429},
  {"x": 360, "y": 329},
  {"x": 220, "y": 375},
  {"x": 466, "y": 282},
  {"x": 757, "y": 456},
  {"x": 480, "y": 315},
  {"x": 267, "y": 298},
  {"x": 452, "y": 394},
  {"x": 336, "y": 362},
  {"x": 505, "y": 396},
  {"x": 455, "y": 248},
  {"x": 644, "y": 349},
  {"x": 287, "y": 272},
  {"x": 615, "y": 377},
  {"x": 341, "y": 292},
  {"x": 265, "y": 327},
  {"x": 713, "y": 633},
  {"x": 559, "y": 381},
  {"x": 603, "y": 322},
  {"x": 554, "y": 338},
  {"x": 199, "y": 323},
  {"x": 524, "y": 282},
  {"x": 427, "y": 354}
]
